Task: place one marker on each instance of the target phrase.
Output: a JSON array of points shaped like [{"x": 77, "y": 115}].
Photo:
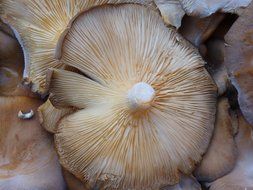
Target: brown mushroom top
[{"x": 146, "y": 102}]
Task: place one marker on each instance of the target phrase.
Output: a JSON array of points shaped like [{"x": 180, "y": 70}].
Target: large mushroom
[{"x": 146, "y": 104}]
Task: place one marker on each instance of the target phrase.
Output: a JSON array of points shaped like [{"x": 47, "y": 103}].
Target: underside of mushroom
[
  {"x": 146, "y": 103},
  {"x": 125, "y": 94}
]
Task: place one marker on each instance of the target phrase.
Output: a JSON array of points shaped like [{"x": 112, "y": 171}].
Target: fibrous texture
[
  {"x": 49, "y": 115},
  {"x": 186, "y": 183},
  {"x": 146, "y": 102},
  {"x": 40, "y": 26}
]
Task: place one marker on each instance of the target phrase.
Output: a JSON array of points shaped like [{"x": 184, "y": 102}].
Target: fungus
[
  {"x": 221, "y": 148},
  {"x": 241, "y": 177},
  {"x": 40, "y": 34},
  {"x": 171, "y": 11},
  {"x": 73, "y": 183},
  {"x": 239, "y": 59},
  {"x": 27, "y": 157},
  {"x": 146, "y": 103},
  {"x": 49, "y": 115},
  {"x": 205, "y": 8}
]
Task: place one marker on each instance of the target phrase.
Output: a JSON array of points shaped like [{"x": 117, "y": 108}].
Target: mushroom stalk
[{"x": 140, "y": 96}]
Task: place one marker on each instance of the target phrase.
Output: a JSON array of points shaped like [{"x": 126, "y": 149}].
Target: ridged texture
[
  {"x": 109, "y": 144},
  {"x": 39, "y": 26},
  {"x": 49, "y": 115}
]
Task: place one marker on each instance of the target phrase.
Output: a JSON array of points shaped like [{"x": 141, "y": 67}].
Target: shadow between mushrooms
[{"x": 147, "y": 107}]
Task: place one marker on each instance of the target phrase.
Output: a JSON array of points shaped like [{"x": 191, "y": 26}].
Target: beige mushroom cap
[
  {"x": 221, "y": 154},
  {"x": 27, "y": 157},
  {"x": 40, "y": 26},
  {"x": 49, "y": 115},
  {"x": 241, "y": 177},
  {"x": 147, "y": 104}
]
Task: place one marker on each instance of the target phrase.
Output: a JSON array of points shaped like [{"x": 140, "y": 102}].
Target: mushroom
[
  {"x": 27, "y": 157},
  {"x": 239, "y": 59},
  {"x": 205, "y": 8},
  {"x": 40, "y": 34},
  {"x": 146, "y": 105},
  {"x": 241, "y": 176},
  {"x": 221, "y": 155},
  {"x": 11, "y": 64},
  {"x": 171, "y": 11},
  {"x": 49, "y": 115}
]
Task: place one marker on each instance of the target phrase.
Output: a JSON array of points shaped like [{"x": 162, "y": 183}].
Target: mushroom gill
[
  {"x": 49, "y": 115},
  {"x": 40, "y": 33},
  {"x": 146, "y": 103}
]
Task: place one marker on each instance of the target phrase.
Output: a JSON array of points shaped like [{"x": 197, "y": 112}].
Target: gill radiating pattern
[
  {"x": 40, "y": 25},
  {"x": 107, "y": 142}
]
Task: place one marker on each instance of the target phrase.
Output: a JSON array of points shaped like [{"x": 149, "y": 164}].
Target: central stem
[{"x": 141, "y": 95}]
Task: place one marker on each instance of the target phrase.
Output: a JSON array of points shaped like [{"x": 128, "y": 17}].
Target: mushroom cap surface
[
  {"x": 40, "y": 26},
  {"x": 108, "y": 142},
  {"x": 27, "y": 157},
  {"x": 221, "y": 154}
]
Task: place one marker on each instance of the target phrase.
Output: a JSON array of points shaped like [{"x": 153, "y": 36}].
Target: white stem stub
[
  {"x": 27, "y": 115},
  {"x": 141, "y": 95}
]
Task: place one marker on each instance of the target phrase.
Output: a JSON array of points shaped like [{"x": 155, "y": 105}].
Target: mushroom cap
[
  {"x": 27, "y": 157},
  {"x": 221, "y": 154},
  {"x": 40, "y": 33},
  {"x": 49, "y": 115},
  {"x": 109, "y": 142},
  {"x": 241, "y": 177},
  {"x": 239, "y": 61},
  {"x": 205, "y": 8}
]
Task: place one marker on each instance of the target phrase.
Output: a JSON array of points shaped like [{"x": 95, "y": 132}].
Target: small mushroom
[
  {"x": 146, "y": 103},
  {"x": 221, "y": 155},
  {"x": 241, "y": 177},
  {"x": 27, "y": 157}
]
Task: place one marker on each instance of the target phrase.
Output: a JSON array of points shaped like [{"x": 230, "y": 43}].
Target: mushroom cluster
[{"x": 129, "y": 102}]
